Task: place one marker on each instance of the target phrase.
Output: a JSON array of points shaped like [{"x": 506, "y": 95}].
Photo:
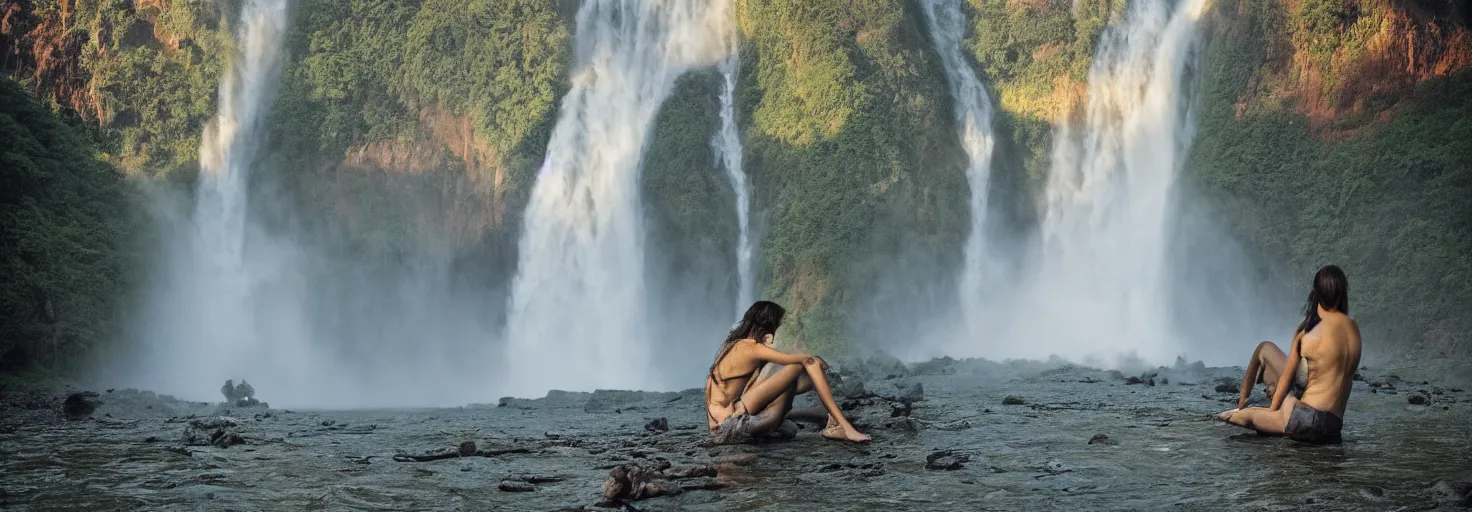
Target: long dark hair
[
  {"x": 761, "y": 319},
  {"x": 1330, "y": 290}
]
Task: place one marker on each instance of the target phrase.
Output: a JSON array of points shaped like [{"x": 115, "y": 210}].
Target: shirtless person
[
  {"x": 740, "y": 403},
  {"x": 1331, "y": 351}
]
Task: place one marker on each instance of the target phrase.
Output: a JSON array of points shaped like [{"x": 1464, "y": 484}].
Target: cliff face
[
  {"x": 1336, "y": 132},
  {"x": 1329, "y": 131}
]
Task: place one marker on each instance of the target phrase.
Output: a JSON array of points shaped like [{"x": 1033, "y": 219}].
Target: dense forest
[{"x": 1327, "y": 131}]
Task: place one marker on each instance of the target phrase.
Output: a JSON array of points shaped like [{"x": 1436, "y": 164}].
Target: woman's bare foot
[
  {"x": 1227, "y": 415},
  {"x": 836, "y": 432}
]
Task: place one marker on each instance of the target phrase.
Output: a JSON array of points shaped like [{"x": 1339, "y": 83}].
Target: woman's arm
[
  {"x": 771, "y": 355},
  {"x": 1290, "y": 370}
]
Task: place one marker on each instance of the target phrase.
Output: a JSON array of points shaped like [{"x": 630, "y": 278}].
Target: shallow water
[{"x": 1170, "y": 453}]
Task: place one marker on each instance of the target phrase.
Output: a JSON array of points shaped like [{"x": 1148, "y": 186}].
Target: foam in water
[
  {"x": 1098, "y": 292},
  {"x": 577, "y": 317},
  {"x": 727, "y": 143},
  {"x": 973, "y": 108}
]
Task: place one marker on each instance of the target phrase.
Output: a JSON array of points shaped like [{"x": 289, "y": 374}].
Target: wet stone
[
  {"x": 913, "y": 393},
  {"x": 467, "y": 448},
  {"x": 79, "y": 406},
  {"x": 1013, "y": 400},
  {"x": 1102, "y": 439},
  {"x": 945, "y": 460},
  {"x": 513, "y": 486},
  {"x": 658, "y": 425},
  {"x": 900, "y": 409},
  {"x": 1418, "y": 400}
]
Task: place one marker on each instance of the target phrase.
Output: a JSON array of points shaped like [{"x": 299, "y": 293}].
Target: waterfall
[
  {"x": 1104, "y": 228},
  {"x": 202, "y": 328},
  {"x": 577, "y": 313},
  {"x": 974, "y": 120},
  {"x": 727, "y": 144}
]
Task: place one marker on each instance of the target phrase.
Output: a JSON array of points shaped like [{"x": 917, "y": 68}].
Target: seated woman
[
  {"x": 740, "y": 404},
  {"x": 1328, "y": 345}
]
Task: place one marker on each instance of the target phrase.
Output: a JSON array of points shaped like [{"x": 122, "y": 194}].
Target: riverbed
[{"x": 998, "y": 436}]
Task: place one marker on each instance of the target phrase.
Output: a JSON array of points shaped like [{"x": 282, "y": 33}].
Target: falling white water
[
  {"x": 1099, "y": 294},
  {"x": 727, "y": 143},
  {"x": 974, "y": 119},
  {"x": 577, "y": 317},
  {"x": 201, "y": 327}
]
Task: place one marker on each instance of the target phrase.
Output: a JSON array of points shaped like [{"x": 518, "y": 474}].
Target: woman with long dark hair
[
  {"x": 1327, "y": 347},
  {"x": 740, "y": 403}
]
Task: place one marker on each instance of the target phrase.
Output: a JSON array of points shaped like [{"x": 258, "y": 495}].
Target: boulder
[{"x": 80, "y": 405}]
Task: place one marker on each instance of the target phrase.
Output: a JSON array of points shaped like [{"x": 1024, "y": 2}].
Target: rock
[
  {"x": 328, "y": 423},
  {"x": 1372, "y": 493},
  {"x": 467, "y": 448},
  {"x": 1164, "y": 381},
  {"x": 1102, "y": 439},
  {"x": 1418, "y": 400},
  {"x": 1228, "y": 385},
  {"x": 852, "y": 388},
  {"x": 1147, "y": 378},
  {"x": 900, "y": 409},
  {"x": 1013, "y": 400},
  {"x": 610, "y": 400},
  {"x": 658, "y": 425},
  {"x": 633, "y": 482},
  {"x": 511, "y": 486},
  {"x": 904, "y": 424},
  {"x": 940, "y": 366},
  {"x": 914, "y": 393},
  {"x": 217, "y": 431},
  {"x": 945, "y": 460},
  {"x": 79, "y": 406},
  {"x": 887, "y": 366}
]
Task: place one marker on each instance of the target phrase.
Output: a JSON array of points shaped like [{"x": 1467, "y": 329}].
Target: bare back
[
  {"x": 1332, "y": 351},
  {"x": 733, "y": 374}
]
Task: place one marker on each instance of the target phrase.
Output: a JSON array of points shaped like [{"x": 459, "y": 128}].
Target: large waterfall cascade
[
  {"x": 1097, "y": 291},
  {"x": 204, "y": 327},
  {"x": 973, "y": 107},
  {"x": 577, "y": 316}
]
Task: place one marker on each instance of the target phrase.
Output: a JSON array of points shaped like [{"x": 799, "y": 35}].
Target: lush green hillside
[
  {"x": 853, "y": 154},
  {"x": 70, "y": 228},
  {"x": 1341, "y": 132}
]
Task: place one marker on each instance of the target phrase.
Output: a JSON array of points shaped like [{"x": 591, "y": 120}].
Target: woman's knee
[{"x": 1258, "y": 352}]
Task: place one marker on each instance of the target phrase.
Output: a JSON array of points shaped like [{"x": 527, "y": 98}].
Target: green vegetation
[
  {"x": 398, "y": 111},
  {"x": 144, "y": 74},
  {"x": 68, "y": 239},
  {"x": 852, "y": 151},
  {"x": 1034, "y": 56},
  {"x": 1389, "y": 203}
]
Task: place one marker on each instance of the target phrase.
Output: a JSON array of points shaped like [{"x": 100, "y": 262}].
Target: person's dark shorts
[
  {"x": 738, "y": 428},
  {"x": 1310, "y": 425}
]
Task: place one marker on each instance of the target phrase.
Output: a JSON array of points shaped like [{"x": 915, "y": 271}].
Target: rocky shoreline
[{"x": 948, "y": 434}]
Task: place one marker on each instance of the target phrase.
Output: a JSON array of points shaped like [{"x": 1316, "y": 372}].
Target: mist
[
  {"x": 1121, "y": 267},
  {"x": 1124, "y": 266}
]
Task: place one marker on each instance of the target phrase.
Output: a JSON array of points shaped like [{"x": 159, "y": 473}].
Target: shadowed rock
[
  {"x": 945, "y": 460},
  {"x": 79, "y": 406}
]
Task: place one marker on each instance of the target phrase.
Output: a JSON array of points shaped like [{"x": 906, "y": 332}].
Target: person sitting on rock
[
  {"x": 1328, "y": 348},
  {"x": 229, "y": 391},
  {"x": 740, "y": 403}
]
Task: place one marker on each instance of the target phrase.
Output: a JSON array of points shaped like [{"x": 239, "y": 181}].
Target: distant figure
[
  {"x": 229, "y": 391},
  {"x": 245, "y": 391},
  {"x": 740, "y": 403},
  {"x": 1326, "y": 350}
]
